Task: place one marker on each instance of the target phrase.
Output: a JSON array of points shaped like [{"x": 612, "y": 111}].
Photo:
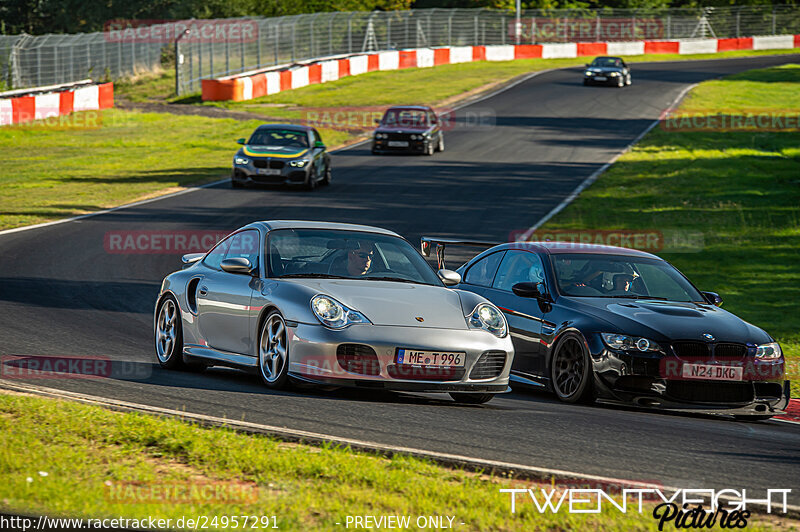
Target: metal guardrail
[{"x": 218, "y": 48}]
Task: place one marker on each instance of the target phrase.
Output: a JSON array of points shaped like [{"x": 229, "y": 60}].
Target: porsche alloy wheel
[
  {"x": 168, "y": 334},
  {"x": 571, "y": 371},
  {"x": 273, "y": 351}
]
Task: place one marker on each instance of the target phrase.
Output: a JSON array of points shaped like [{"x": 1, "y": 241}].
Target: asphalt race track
[{"x": 63, "y": 294}]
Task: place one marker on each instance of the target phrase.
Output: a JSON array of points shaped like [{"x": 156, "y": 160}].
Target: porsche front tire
[
  {"x": 169, "y": 334},
  {"x": 273, "y": 351}
]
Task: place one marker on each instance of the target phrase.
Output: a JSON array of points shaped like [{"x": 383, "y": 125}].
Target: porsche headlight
[
  {"x": 488, "y": 317},
  {"x": 299, "y": 163},
  {"x": 769, "y": 351},
  {"x": 241, "y": 160},
  {"x": 333, "y": 314},
  {"x": 622, "y": 342}
]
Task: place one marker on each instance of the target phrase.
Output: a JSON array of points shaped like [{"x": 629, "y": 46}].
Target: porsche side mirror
[
  {"x": 237, "y": 265},
  {"x": 449, "y": 277},
  {"x": 241, "y": 141},
  {"x": 713, "y": 298}
]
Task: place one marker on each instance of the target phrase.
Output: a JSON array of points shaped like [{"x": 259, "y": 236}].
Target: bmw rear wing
[{"x": 432, "y": 244}]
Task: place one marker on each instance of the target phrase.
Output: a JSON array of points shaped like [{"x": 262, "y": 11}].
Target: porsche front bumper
[{"x": 319, "y": 354}]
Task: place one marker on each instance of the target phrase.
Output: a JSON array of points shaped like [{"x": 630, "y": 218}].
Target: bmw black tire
[
  {"x": 429, "y": 148},
  {"x": 628, "y": 80},
  {"x": 311, "y": 182},
  {"x": 571, "y": 371},
  {"x": 585, "y": 82},
  {"x": 273, "y": 351},
  {"x": 236, "y": 184},
  {"x": 326, "y": 180},
  {"x": 621, "y": 82},
  {"x": 440, "y": 146},
  {"x": 471, "y": 398}
]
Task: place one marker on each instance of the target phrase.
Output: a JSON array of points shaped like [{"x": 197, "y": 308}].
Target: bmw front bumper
[
  {"x": 288, "y": 175},
  {"x": 366, "y": 356}
]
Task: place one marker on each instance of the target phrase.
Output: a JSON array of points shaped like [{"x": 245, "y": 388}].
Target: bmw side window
[
  {"x": 244, "y": 245},
  {"x": 215, "y": 256},
  {"x": 482, "y": 272},
  {"x": 518, "y": 267}
]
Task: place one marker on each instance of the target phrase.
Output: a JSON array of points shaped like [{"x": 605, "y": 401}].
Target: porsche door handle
[{"x": 203, "y": 291}]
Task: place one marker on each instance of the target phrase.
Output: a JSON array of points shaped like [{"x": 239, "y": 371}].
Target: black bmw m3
[{"x": 600, "y": 322}]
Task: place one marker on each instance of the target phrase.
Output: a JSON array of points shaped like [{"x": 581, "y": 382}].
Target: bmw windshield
[
  {"x": 326, "y": 253},
  {"x": 593, "y": 275}
]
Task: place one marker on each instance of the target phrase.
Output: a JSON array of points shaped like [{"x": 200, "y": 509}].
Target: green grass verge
[
  {"x": 49, "y": 173},
  {"x": 740, "y": 189},
  {"x": 91, "y": 457}
]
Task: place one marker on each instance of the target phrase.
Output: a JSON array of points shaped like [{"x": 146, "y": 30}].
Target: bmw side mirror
[
  {"x": 530, "y": 290},
  {"x": 713, "y": 298},
  {"x": 449, "y": 277},
  {"x": 377, "y": 120},
  {"x": 319, "y": 144},
  {"x": 241, "y": 141},
  {"x": 239, "y": 265}
]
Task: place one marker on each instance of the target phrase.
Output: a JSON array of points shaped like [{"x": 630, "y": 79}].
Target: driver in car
[{"x": 357, "y": 262}]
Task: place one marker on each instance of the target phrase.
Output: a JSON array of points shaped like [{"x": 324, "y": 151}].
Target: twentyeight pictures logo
[{"x": 683, "y": 508}]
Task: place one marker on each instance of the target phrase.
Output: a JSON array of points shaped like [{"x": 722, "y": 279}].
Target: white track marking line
[{"x": 518, "y": 471}]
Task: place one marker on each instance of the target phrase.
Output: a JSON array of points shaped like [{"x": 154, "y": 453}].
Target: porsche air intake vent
[
  {"x": 489, "y": 365},
  {"x": 358, "y": 358}
]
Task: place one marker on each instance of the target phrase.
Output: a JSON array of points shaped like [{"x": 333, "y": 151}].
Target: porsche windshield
[
  {"x": 326, "y": 253},
  {"x": 279, "y": 137},
  {"x": 593, "y": 275}
]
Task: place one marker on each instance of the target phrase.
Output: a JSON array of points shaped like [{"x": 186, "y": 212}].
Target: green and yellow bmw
[{"x": 282, "y": 154}]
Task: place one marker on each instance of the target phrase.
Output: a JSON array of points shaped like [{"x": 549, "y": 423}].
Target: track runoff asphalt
[{"x": 65, "y": 291}]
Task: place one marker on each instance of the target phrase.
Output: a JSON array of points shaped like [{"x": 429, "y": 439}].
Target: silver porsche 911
[{"x": 337, "y": 304}]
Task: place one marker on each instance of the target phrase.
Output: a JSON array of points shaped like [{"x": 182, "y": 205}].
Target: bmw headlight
[
  {"x": 622, "y": 342},
  {"x": 488, "y": 317},
  {"x": 299, "y": 163},
  {"x": 380, "y": 135},
  {"x": 769, "y": 351},
  {"x": 241, "y": 160},
  {"x": 613, "y": 74},
  {"x": 587, "y": 73},
  {"x": 333, "y": 314}
]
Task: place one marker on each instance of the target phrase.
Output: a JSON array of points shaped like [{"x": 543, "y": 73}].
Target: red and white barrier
[
  {"x": 255, "y": 84},
  {"x": 19, "y": 107}
]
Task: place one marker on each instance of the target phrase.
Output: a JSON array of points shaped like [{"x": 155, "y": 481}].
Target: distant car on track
[
  {"x": 607, "y": 71},
  {"x": 282, "y": 154},
  {"x": 407, "y": 128},
  {"x": 592, "y": 321},
  {"x": 337, "y": 304}
]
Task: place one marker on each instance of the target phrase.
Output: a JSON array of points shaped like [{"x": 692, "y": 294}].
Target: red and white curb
[
  {"x": 22, "y": 106},
  {"x": 254, "y": 84}
]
